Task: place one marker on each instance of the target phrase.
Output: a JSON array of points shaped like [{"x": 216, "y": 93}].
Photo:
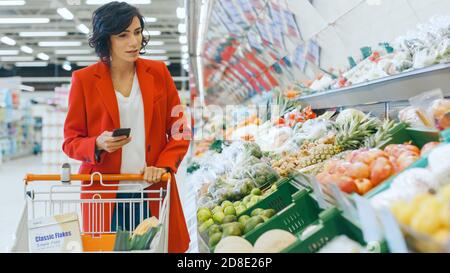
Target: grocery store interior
[{"x": 317, "y": 126}]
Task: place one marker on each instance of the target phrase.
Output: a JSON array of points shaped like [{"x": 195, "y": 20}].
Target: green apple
[
  {"x": 230, "y": 210},
  {"x": 218, "y": 217},
  {"x": 226, "y": 203},
  {"x": 203, "y": 215}
]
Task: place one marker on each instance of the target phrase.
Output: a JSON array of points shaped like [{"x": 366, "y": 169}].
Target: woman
[{"x": 125, "y": 91}]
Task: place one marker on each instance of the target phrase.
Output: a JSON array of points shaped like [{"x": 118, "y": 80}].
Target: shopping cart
[{"x": 64, "y": 197}]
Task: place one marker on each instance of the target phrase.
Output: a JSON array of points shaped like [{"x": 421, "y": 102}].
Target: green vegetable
[
  {"x": 122, "y": 242},
  {"x": 213, "y": 229},
  {"x": 246, "y": 199},
  {"x": 142, "y": 242},
  {"x": 229, "y": 219},
  {"x": 269, "y": 213},
  {"x": 231, "y": 229},
  {"x": 256, "y": 212},
  {"x": 230, "y": 210},
  {"x": 193, "y": 167},
  {"x": 218, "y": 217},
  {"x": 217, "y": 209},
  {"x": 256, "y": 191},
  {"x": 240, "y": 209},
  {"x": 216, "y": 146},
  {"x": 252, "y": 223},
  {"x": 237, "y": 203},
  {"x": 243, "y": 219},
  {"x": 204, "y": 227},
  {"x": 203, "y": 214},
  {"x": 226, "y": 203},
  {"x": 215, "y": 239}
]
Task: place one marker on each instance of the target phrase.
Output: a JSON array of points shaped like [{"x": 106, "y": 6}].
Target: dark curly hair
[{"x": 112, "y": 19}]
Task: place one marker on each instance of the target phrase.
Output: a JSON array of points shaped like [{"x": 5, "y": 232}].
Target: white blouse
[{"x": 131, "y": 112}]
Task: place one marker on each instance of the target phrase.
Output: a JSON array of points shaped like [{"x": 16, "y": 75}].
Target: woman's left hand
[{"x": 153, "y": 174}]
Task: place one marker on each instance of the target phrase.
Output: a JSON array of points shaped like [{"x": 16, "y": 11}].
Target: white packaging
[{"x": 59, "y": 233}]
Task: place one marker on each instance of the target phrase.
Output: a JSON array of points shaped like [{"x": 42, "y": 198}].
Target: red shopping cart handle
[{"x": 87, "y": 177}]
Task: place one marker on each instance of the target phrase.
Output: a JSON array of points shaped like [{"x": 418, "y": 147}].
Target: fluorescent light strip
[
  {"x": 60, "y": 43},
  {"x": 17, "y": 59},
  {"x": 26, "y": 49},
  {"x": 133, "y": 2},
  {"x": 82, "y": 58},
  {"x": 31, "y": 64},
  {"x": 156, "y": 51},
  {"x": 12, "y": 3},
  {"x": 43, "y": 56},
  {"x": 65, "y": 13},
  {"x": 24, "y": 20},
  {"x": 8, "y": 41},
  {"x": 182, "y": 28},
  {"x": 66, "y": 66},
  {"x": 72, "y": 51},
  {"x": 150, "y": 19},
  {"x": 9, "y": 52},
  {"x": 152, "y": 32},
  {"x": 156, "y": 43},
  {"x": 42, "y": 33},
  {"x": 83, "y": 28},
  {"x": 27, "y": 88},
  {"x": 156, "y": 58},
  {"x": 184, "y": 48},
  {"x": 85, "y": 63},
  {"x": 181, "y": 13}
]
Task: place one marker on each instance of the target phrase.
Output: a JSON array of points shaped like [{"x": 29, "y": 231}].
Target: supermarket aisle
[{"x": 12, "y": 195}]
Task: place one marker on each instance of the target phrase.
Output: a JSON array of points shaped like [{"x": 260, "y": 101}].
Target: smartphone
[{"x": 121, "y": 132}]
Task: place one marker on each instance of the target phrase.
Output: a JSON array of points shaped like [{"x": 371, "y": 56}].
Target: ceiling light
[
  {"x": 156, "y": 51},
  {"x": 182, "y": 39},
  {"x": 150, "y": 19},
  {"x": 31, "y": 64},
  {"x": 42, "y": 33},
  {"x": 85, "y": 63},
  {"x": 152, "y": 32},
  {"x": 181, "y": 13},
  {"x": 8, "y": 41},
  {"x": 156, "y": 43},
  {"x": 133, "y": 2},
  {"x": 43, "y": 56},
  {"x": 157, "y": 58},
  {"x": 83, "y": 28},
  {"x": 72, "y": 51},
  {"x": 182, "y": 28},
  {"x": 26, "y": 49},
  {"x": 184, "y": 48},
  {"x": 67, "y": 66},
  {"x": 60, "y": 43},
  {"x": 27, "y": 88},
  {"x": 82, "y": 58},
  {"x": 17, "y": 59},
  {"x": 65, "y": 13},
  {"x": 184, "y": 61},
  {"x": 12, "y": 3},
  {"x": 186, "y": 67},
  {"x": 24, "y": 20},
  {"x": 9, "y": 52},
  {"x": 185, "y": 55}
]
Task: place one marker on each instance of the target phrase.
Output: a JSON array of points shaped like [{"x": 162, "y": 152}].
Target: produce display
[
  {"x": 140, "y": 239},
  {"x": 357, "y": 151},
  {"x": 427, "y": 46},
  {"x": 364, "y": 169}
]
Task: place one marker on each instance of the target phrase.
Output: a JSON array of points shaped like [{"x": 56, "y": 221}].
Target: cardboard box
[{"x": 59, "y": 233}]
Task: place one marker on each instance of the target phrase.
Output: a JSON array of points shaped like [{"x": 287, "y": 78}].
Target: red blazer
[{"x": 93, "y": 109}]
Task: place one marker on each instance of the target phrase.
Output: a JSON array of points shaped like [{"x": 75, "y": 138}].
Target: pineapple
[{"x": 381, "y": 136}]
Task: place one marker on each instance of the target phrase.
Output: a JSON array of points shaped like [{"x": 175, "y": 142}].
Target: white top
[{"x": 131, "y": 112}]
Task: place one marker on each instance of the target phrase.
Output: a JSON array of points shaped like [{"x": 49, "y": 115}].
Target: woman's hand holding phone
[{"x": 107, "y": 142}]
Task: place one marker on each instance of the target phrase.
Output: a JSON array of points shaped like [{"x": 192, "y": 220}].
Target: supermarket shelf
[{"x": 394, "y": 88}]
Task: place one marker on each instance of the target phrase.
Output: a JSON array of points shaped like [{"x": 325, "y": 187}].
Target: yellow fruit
[
  {"x": 403, "y": 212},
  {"x": 419, "y": 199},
  {"x": 442, "y": 236},
  {"x": 444, "y": 216},
  {"x": 426, "y": 223},
  {"x": 430, "y": 205},
  {"x": 444, "y": 193}
]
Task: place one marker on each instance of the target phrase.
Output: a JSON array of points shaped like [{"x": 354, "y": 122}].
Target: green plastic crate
[
  {"x": 278, "y": 199},
  {"x": 422, "y": 137},
  {"x": 331, "y": 224},
  {"x": 299, "y": 214}
]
